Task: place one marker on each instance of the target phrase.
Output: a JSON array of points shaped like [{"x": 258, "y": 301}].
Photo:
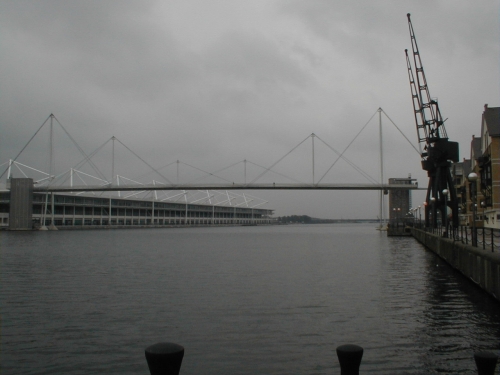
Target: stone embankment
[{"x": 481, "y": 266}]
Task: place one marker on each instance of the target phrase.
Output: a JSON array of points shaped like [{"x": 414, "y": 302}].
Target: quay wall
[{"x": 480, "y": 266}]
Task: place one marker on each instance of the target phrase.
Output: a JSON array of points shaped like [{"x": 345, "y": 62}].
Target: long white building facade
[{"x": 23, "y": 209}]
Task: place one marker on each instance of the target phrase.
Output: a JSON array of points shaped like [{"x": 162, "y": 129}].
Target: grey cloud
[{"x": 115, "y": 68}]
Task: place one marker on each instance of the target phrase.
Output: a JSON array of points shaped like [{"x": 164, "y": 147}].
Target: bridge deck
[{"x": 267, "y": 186}]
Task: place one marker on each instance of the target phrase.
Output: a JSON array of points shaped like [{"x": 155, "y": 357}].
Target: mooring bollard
[
  {"x": 485, "y": 362},
  {"x": 349, "y": 358},
  {"x": 164, "y": 358}
]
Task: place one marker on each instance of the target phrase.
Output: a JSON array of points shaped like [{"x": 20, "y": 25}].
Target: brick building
[
  {"x": 485, "y": 162},
  {"x": 488, "y": 167}
]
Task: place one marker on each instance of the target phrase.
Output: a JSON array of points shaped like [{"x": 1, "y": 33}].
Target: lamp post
[
  {"x": 426, "y": 214},
  {"x": 472, "y": 177},
  {"x": 419, "y": 218},
  {"x": 432, "y": 212},
  {"x": 445, "y": 194}
]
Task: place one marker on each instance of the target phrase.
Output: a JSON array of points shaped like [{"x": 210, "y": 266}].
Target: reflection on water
[{"x": 274, "y": 300}]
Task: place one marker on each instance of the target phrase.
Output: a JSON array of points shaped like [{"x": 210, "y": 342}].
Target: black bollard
[
  {"x": 485, "y": 362},
  {"x": 164, "y": 358},
  {"x": 349, "y": 359}
]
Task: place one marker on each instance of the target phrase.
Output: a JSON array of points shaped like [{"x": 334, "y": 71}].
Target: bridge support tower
[{"x": 21, "y": 204}]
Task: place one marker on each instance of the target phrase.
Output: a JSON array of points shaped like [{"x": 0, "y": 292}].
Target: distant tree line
[
  {"x": 304, "y": 219},
  {"x": 295, "y": 219}
]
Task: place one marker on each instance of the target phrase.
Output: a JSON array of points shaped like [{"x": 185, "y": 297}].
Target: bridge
[
  {"x": 264, "y": 186},
  {"x": 94, "y": 180},
  {"x": 201, "y": 187}
]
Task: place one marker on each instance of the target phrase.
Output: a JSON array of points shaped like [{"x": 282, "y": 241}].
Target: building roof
[
  {"x": 475, "y": 148},
  {"x": 491, "y": 117},
  {"x": 458, "y": 168},
  {"x": 467, "y": 167}
]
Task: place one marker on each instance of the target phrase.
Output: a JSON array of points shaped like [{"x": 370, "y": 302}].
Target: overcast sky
[{"x": 213, "y": 83}]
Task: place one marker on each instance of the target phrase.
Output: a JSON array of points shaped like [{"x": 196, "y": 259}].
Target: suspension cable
[
  {"x": 363, "y": 173},
  {"x": 208, "y": 173},
  {"x": 145, "y": 162},
  {"x": 418, "y": 152},
  {"x": 280, "y": 174},
  {"x": 26, "y": 145},
  {"x": 288, "y": 153},
  {"x": 347, "y": 147},
  {"x": 92, "y": 154},
  {"x": 94, "y": 167}
]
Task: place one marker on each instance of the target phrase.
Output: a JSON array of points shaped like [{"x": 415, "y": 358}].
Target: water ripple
[{"x": 274, "y": 300}]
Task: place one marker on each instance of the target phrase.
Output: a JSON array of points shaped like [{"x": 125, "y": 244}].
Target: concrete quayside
[{"x": 481, "y": 266}]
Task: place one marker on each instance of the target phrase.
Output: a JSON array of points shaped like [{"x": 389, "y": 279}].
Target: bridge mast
[{"x": 381, "y": 209}]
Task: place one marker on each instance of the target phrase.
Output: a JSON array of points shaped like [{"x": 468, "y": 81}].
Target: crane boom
[
  {"x": 438, "y": 151},
  {"x": 430, "y": 114}
]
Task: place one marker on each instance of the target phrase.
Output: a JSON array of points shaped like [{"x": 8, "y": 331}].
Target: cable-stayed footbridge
[
  {"x": 76, "y": 180},
  {"x": 178, "y": 193}
]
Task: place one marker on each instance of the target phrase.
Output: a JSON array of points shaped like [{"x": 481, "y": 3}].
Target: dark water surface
[{"x": 241, "y": 300}]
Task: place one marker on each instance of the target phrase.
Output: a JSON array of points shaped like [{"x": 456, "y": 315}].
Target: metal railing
[{"x": 482, "y": 237}]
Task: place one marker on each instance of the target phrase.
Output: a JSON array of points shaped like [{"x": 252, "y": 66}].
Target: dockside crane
[{"x": 438, "y": 152}]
